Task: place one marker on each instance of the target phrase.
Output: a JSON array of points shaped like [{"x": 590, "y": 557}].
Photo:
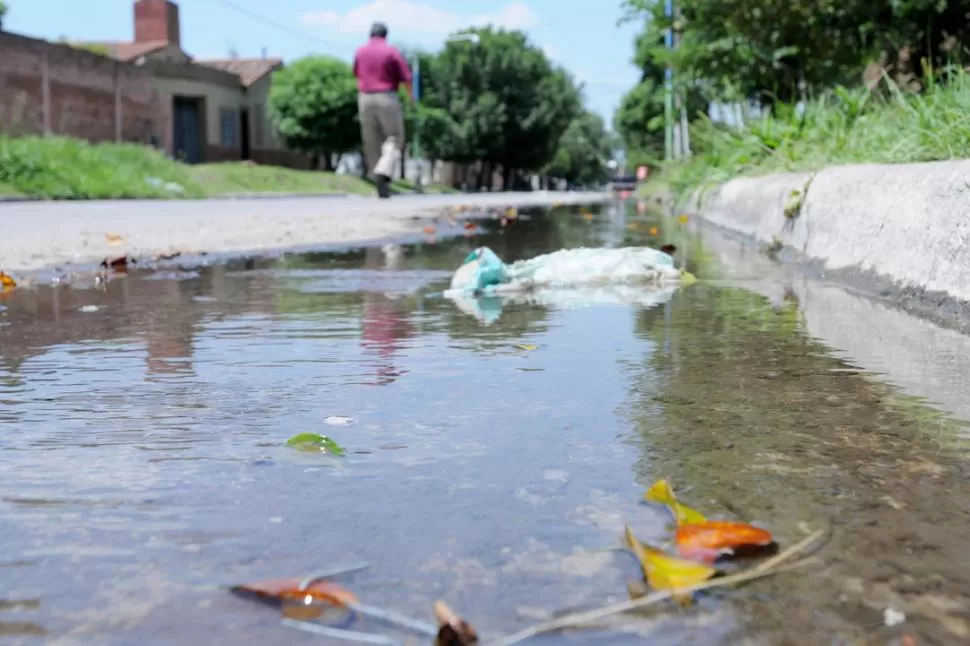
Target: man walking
[{"x": 380, "y": 70}]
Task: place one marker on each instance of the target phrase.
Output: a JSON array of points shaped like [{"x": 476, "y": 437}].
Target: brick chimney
[{"x": 157, "y": 20}]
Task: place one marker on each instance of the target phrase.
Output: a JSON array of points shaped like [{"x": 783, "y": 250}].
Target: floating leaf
[
  {"x": 117, "y": 264},
  {"x": 314, "y": 442},
  {"x": 665, "y": 572},
  {"x": 284, "y": 590},
  {"x": 682, "y": 218},
  {"x": 654, "y": 231},
  {"x": 527, "y": 347},
  {"x": 453, "y": 630},
  {"x": 114, "y": 239},
  {"x": 6, "y": 281},
  {"x": 469, "y": 225},
  {"x": 662, "y": 494},
  {"x": 707, "y": 541},
  {"x": 430, "y": 230}
]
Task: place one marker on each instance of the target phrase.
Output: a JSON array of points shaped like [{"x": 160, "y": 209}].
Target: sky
[{"x": 580, "y": 35}]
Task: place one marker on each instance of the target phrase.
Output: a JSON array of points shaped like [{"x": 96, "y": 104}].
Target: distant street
[{"x": 55, "y": 233}]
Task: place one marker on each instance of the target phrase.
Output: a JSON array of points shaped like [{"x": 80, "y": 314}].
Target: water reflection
[{"x": 143, "y": 458}]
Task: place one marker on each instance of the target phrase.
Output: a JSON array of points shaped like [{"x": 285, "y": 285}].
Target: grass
[
  {"x": 842, "y": 127},
  {"x": 64, "y": 168}
]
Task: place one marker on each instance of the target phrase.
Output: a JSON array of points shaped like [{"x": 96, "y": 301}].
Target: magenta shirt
[{"x": 379, "y": 67}]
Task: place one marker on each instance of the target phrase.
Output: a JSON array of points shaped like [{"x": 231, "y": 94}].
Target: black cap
[{"x": 378, "y": 30}]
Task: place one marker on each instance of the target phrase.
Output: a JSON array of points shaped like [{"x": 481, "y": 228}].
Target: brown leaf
[
  {"x": 709, "y": 540},
  {"x": 118, "y": 264},
  {"x": 114, "y": 239},
  {"x": 453, "y": 631},
  {"x": 282, "y": 590}
]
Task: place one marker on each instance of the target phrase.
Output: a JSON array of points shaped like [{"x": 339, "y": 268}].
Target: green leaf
[{"x": 313, "y": 442}]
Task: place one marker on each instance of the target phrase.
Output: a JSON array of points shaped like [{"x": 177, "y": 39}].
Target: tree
[
  {"x": 584, "y": 151},
  {"x": 313, "y": 103},
  {"x": 785, "y": 51},
  {"x": 506, "y": 104}
]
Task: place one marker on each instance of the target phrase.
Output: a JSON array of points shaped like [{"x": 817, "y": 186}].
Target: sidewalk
[{"x": 40, "y": 235}]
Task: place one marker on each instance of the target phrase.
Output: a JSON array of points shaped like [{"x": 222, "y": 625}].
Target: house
[{"x": 217, "y": 108}]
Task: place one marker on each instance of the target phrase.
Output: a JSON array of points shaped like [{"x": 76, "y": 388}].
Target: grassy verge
[
  {"x": 62, "y": 168},
  {"x": 842, "y": 127}
]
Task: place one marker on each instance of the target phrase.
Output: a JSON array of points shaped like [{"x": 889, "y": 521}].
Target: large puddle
[{"x": 144, "y": 466}]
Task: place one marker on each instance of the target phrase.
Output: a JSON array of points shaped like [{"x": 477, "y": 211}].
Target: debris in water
[
  {"x": 774, "y": 565},
  {"x": 430, "y": 230},
  {"x": 169, "y": 256},
  {"x": 87, "y": 309},
  {"x": 312, "y": 442},
  {"x": 661, "y": 494},
  {"x": 664, "y": 572},
  {"x": 117, "y": 264},
  {"x": 453, "y": 630},
  {"x": 469, "y": 225},
  {"x": 892, "y": 617},
  {"x": 114, "y": 239},
  {"x": 712, "y": 539},
  {"x": 6, "y": 281},
  {"x": 654, "y": 231},
  {"x": 669, "y": 249},
  {"x": 338, "y": 420},
  {"x": 682, "y": 218},
  {"x": 526, "y": 347},
  {"x": 705, "y": 540},
  {"x": 279, "y": 591}
]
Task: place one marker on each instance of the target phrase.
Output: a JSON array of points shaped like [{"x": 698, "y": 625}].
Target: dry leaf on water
[
  {"x": 665, "y": 572},
  {"x": 511, "y": 213},
  {"x": 662, "y": 494},
  {"x": 453, "y": 630},
  {"x": 114, "y": 239},
  {"x": 527, "y": 347},
  {"x": 469, "y": 225},
  {"x": 118, "y": 264},
  {"x": 430, "y": 230},
  {"x": 7, "y": 282},
  {"x": 654, "y": 231},
  {"x": 708, "y": 541},
  {"x": 282, "y": 590}
]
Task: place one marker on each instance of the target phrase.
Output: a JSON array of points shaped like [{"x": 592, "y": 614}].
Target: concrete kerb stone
[{"x": 901, "y": 230}]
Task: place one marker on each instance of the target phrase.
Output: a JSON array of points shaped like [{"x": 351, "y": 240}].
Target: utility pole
[{"x": 669, "y": 150}]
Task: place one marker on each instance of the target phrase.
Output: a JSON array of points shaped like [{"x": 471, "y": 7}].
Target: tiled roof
[
  {"x": 124, "y": 51},
  {"x": 249, "y": 70}
]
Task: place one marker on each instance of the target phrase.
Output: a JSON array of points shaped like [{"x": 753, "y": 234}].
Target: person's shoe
[{"x": 383, "y": 187}]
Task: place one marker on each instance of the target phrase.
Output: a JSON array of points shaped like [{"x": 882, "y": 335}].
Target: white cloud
[{"x": 416, "y": 20}]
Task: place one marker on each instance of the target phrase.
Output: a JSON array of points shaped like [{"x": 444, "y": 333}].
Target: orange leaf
[
  {"x": 664, "y": 572},
  {"x": 709, "y": 540},
  {"x": 653, "y": 231},
  {"x": 662, "y": 494},
  {"x": 469, "y": 225},
  {"x": 280, "y": 590},
  {"x": 6, "y": 282},
  {"x": 430, "y": 229}
]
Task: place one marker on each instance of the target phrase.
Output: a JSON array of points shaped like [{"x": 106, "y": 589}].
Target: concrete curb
[{"x": 900, "y": 231}]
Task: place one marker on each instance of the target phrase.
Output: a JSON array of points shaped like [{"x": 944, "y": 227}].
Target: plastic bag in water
[
  {"x": 480, "y": 270},
  {"x": 484, "y": 272}
]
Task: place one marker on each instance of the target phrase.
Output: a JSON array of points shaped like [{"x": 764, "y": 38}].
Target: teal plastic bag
[{"x": 481, "y": 269}]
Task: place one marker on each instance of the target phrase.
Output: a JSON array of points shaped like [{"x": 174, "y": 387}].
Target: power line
[{"x": 281, "y": 26}]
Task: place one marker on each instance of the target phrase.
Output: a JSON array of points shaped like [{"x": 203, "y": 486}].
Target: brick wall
[{"x": 48, "y": 88}]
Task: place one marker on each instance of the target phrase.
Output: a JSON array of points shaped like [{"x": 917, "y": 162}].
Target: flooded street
[{"x": 144, "y": 466}]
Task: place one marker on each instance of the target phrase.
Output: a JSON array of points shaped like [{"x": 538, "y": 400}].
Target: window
[{"x": 229, "y": 121}]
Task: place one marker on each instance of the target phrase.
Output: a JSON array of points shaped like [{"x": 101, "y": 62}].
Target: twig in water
[
  {"x": 769, "y": 567},
  {"x": 338, "y": 633}
]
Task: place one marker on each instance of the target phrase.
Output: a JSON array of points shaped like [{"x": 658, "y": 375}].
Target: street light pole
[{"x": 416, "y": 65}]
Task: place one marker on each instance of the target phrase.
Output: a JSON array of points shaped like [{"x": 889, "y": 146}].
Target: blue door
[{"x": 187, "y": 131}]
